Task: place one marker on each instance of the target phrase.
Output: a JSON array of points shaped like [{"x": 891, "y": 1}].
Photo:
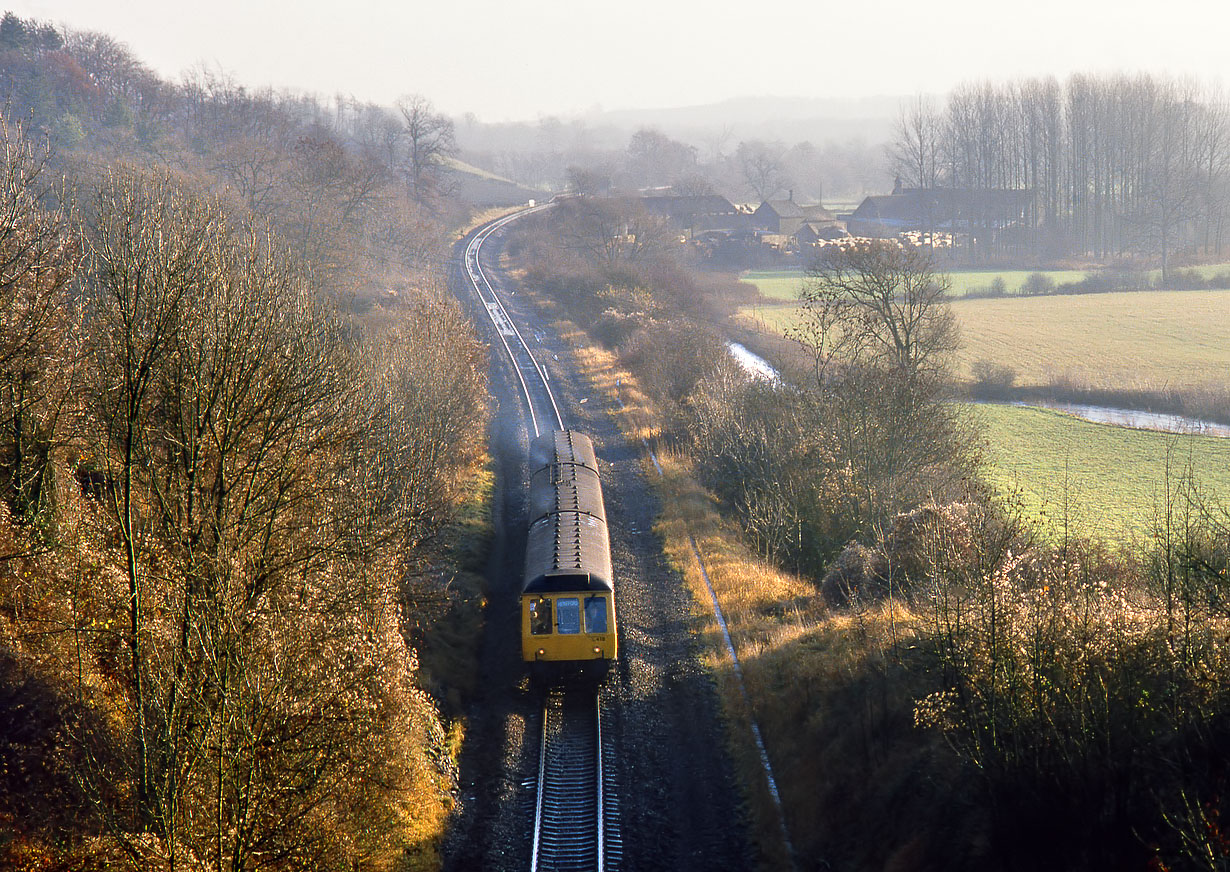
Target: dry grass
[
  {"x": 478, "y": 219},
  {"x": 1147, "y": 340},
  {"x": 762, "y": 606},
  {"x": 1141, "y": 341}
]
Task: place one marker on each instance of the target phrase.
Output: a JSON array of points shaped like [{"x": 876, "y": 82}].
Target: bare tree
[
  {"x": 588, "y": 181},
  {"x": 880, "y": 304},
  {"x": 876, "y": 326},
  {"x": 429, "y": 139},
  {"x": 37, "y": 262},
  {"x": 762, "y": 168},
  {"x": 225, "y": 392},
  {"x": 915, "y": 154},
  {"x": 654, "y": 159},
  {"x": 613, "y": 232},
  {"x": 151, "y": 246}
]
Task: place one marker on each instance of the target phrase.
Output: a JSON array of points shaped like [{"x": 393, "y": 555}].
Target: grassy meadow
[
  {"x": 1099, "y": 479},
  {"x": 775, "y": 284}
]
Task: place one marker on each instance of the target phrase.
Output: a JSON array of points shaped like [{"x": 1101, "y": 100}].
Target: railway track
[
  {"x": 535, "y": 384},
  {"x": 576, "y": 808},
  {"x": 574, "y": 798}
]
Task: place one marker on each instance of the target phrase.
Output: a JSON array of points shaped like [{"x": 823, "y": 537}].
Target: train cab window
[
  {"x": 595, "y": 614},
  {"x": 540, "y": 617},
  {"x": 568, "y": 615}
]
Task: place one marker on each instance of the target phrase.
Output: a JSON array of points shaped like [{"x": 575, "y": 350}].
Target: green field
[
  {"x": 783, "y": 284},
  {"x": 1108, "y": 481},
  {"x": 965, "y": 281}
]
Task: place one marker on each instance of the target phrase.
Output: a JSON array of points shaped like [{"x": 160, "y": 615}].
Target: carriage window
[
  {"x": 540, "y": 616},
  {"x": 595, "y": 615},
  {"x": 568, "y": 615}
]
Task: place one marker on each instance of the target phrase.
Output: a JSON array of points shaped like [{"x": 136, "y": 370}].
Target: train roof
[
  {"x": 567, "y": 551},
  {"x": 565, "y": 487},
  {"x": 567, "y": 545},
  {"x": 562, "y": 446}
]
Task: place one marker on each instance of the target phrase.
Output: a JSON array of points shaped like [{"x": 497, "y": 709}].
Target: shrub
[
  {"x": 1184, "y": 280},
  {"x": 992, "y": 380},
  {"x": 1221, "y": 280},
  {"x": 1037, "y": 284},
  {"x": 613, "y": 328}
]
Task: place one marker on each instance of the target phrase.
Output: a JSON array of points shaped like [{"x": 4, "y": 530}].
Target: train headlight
[
  {"x": 597, "y": 651},
  {"x": 542, "y": 652}
]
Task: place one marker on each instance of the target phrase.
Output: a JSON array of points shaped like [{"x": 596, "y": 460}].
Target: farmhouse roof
[
  {"x": 810, "y": 231},
  {"x": 958, "y": 206}
]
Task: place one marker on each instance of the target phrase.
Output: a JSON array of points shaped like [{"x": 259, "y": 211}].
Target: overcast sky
[{"x": 521, "y": 59}]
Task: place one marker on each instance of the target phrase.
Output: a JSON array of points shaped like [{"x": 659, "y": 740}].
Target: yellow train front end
[
  {"x": 568, "y": 626},
  {"x": 567, "y": 593}
]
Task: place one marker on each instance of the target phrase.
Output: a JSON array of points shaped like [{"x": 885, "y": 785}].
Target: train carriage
[{"x": 567, "y": 593}]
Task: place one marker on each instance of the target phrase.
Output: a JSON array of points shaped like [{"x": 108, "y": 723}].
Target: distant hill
[
  {"x": 791, "y": 119},
  {"x": 482, "y": 188}
]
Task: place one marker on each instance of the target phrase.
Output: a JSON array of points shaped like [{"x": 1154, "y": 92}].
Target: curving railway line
[
  {"x": 575, "y": 809},
  {"x": 535, "y": 385}
]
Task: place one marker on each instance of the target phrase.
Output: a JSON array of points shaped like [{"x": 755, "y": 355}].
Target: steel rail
[
  {"x": 478, "y": 278},
  {"x": 569, "y": 822}
]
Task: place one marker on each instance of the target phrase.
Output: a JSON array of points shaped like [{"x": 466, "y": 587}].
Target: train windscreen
[
  {"x": 540, "y": 616},
  {"x": 595, "y": 614}
]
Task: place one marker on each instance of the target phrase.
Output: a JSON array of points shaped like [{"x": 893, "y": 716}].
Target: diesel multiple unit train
[{"x": 567, "y": 592}]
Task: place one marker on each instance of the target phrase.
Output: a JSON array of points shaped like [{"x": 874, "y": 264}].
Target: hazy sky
[{"x": 519, "y": 59}]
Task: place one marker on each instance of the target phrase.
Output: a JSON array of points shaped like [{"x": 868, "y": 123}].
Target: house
[
  {"x": 811, "y": 232},
  {"x": 785, "y": 217},
  {"x": 697, "y": 213},
  {"x": 973, "y": 211}
]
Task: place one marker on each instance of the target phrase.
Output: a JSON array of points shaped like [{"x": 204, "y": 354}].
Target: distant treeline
[{"x": 1120, "y": 166}]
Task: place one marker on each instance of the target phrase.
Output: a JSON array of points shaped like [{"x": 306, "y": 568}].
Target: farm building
[
  {"x": 785, "y": 217},
  {"x": 954, "y": 210},
  {"x": 811, "y": 232},
  {"x": 695, "y": 214}
]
